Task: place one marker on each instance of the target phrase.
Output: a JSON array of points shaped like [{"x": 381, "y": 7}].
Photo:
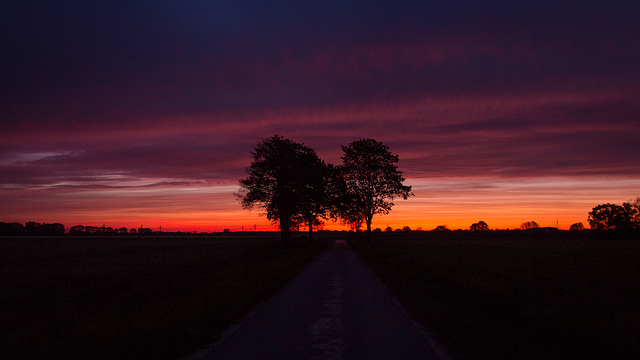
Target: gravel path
[{"x": 335, "y": 309}]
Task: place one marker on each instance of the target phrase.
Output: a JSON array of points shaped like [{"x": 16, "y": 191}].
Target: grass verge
[
  {"x": 135, "y": 298},
  {"x": 509, "y": 296}
]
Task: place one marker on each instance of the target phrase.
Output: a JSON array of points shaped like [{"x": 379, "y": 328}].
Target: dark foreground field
[
  {"x": 516, "y": 295},
  {"x": 135, "y": 297}
]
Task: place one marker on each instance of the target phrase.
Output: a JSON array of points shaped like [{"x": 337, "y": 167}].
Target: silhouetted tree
[
  {"x": 55, "y": 229},
  {"x": 11, "y": 229},
  {"x": 372, "y": 177},
  {"x": 529, "y": 225},
  {"x": 91, "y": 230},
  {"x": 31, "y": 228},
  {"x": 612, "y": 217},
  {"x": 479, "y": 226},
  {"x": 345, "y": 206},
  {"x": 635, "y": 212},
  {"x": 76, "y": 230},
  {"x": 440, "y": 228},
  {"x": 349, "y": 210},
  {"x": 144, "y": 231},
  {"x": 576, "y": 227},
  {"x": 278, "y": 182},
  {"x": 317, "y": 191},
  {"x": 36, "y": 229}
]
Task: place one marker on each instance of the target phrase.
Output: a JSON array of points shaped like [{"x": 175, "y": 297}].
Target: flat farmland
[
  {"x": 155, "y": 297},
  {"x": 516, "y": 295}
]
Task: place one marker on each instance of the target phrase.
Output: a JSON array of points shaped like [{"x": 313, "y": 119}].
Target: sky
[{"x": 130, "y": 113}]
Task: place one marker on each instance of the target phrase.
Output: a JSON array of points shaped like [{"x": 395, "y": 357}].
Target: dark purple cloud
[
  {"x": 70, "y": 63},
  {"x": 166, "y": 93}
]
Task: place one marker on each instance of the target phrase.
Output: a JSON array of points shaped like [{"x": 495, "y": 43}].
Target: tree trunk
[
  {"x": 368, "y": 231},
  {"x": 284, "y": 231},
  {"x": 310, "y": 229}
]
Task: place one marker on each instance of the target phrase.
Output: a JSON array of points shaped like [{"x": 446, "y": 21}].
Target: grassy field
[
  {"x": 514, "y": 295},
  {"x": 135, "y": 297}
]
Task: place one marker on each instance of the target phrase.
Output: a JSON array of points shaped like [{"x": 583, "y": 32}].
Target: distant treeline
[
  {"x": 95, "y": 230},
  {"x": 608, "y": 217},
  {"x": 31, "y": 229},
  {"x": 36, "y": 229},
  {"x": 625, "y": 217}
]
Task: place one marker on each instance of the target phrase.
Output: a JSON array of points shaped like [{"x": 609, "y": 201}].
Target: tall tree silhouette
[
  {"x": 349, "y": 211},
  {"x": 282, "y": 182},
  {"x": 479, "y": 226},
  {"x": 612, "y": 217},
  {"x": 318, "y": 191},
  {"x": 576, "y": 227},
  {"x": 372, "y": 177},
  {"x": 635, "y": 212},
  {"x": 346, "y": 206},
  {"x": 529, "y": 225}
]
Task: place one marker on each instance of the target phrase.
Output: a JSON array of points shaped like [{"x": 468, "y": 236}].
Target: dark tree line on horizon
[
  {"x": 31, "y": 228},
  {"x": 625, "y": 217},
  {"x": 605, "y": 217}
]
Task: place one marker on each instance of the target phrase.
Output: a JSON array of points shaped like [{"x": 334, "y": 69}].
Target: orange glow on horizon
[{"x": 454, "y": 202}]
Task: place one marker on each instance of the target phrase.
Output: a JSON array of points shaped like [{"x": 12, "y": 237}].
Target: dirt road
[{"x": 335, "y": 309}]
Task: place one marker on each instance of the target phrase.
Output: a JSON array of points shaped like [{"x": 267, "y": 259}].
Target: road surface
[{"x": 335, "y": 309}]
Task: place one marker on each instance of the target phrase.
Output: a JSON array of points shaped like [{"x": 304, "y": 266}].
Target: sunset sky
[{"x": 130, "y": 113}]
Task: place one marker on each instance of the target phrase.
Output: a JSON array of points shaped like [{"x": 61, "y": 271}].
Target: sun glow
[
  {"x": 505, "y": 203},
  {"x": 455, "y": 202}
]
